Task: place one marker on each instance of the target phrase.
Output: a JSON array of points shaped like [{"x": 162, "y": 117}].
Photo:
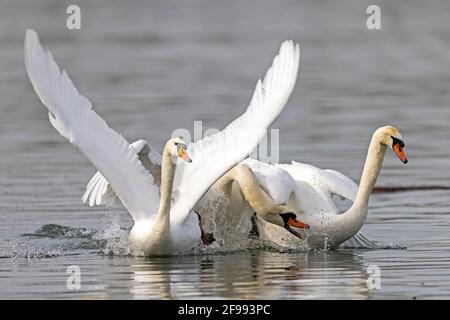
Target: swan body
[
  {"x": 313, "y": 196},
  {"x": 310, "y": 192},
  {"x": 157, "y": 234},
  {"x": 249, "y": 187},
  {"x": 275, "y": 181},
  {"x": 164, "y": 222}
]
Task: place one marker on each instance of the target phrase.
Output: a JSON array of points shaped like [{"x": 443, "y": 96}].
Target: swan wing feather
[
  {"x": 275, "y": 181},
  {"x": 341, "y": 185},
  {"x": 73, "y": 117},
  {"x": 105, "y": 195},
  {"x": 320, "y": 186},
  {"x": 311, "y": 191},
  {"x": 216, "y": 154}
]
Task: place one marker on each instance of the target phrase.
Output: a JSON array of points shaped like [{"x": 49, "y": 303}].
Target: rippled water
[{"x": 150, "y": 67}]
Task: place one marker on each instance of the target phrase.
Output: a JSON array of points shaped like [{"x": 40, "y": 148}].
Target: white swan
[
  {"x": 297, "y": 189},
  {"x": 313, "y": 190},
  {"x": 171, "y": 230},
  {"x": 244, "y": 200}
]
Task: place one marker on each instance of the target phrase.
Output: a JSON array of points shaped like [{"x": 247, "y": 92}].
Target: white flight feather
[
  {"x": 216, "y": 154},
  {"x": 72, "y": 116},
  {"x": 105, "y": 195}
]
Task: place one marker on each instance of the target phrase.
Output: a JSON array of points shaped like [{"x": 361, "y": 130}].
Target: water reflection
[
  {"x": 252, "y": 275},
  {"x": 162, "y": 72}
]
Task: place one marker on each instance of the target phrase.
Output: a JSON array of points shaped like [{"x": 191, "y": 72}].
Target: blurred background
[{"x": 150, "y": 67}]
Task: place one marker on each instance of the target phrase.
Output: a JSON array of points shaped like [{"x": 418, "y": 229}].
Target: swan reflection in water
[{"x": 252, "y": 275}]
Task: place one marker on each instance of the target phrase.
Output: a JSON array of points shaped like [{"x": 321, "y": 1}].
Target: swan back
[
  {"x": 275, "y": 181},
  {"x": 314, "y": 188}
]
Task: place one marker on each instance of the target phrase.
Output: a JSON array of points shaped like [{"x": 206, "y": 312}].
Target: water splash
[
  {"x": 19, "y": 250},
  {"x": 116, "y": 238},
  {"x": 59, "y": 231},
  {"x": 230, "y": 229}
]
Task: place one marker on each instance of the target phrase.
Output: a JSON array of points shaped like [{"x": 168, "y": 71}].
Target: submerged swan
[{"x": 159, "y": 228}]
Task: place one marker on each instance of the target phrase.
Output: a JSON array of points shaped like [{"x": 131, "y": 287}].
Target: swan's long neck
[
  {"x": 167, "y": 177},
  {"x": 355, "y": 217},
  {"x": 250, "y": 188},
  {"x": 153, "y": 236}
]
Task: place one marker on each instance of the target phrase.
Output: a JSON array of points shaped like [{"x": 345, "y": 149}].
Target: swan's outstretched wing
[
  {"x": 72, "y": 116},
  {"x": 214, "y": 155},
  {"x": 340, "y": 184},
  {"x": 99, "y": 192},
  {"x": 316, "y": 187},
  {"x": 311, "y": 192}
]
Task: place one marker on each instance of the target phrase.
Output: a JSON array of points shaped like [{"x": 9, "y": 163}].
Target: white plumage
[
  {"x": 72, "y": 116},
  {"x": 98, "y": 190},
  {"x": 118, "y": 163},
  {"x": 216, "y": 154}
]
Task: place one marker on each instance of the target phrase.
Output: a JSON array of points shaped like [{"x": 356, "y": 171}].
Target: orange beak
[
  {"x": 183, "y": 155},
  {"x": 298, "y": 224},
  {"x": 400, "y": 153}
]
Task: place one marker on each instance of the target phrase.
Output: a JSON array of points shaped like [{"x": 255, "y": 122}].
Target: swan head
[
  {"x": 286, "y": 220},
  {"x": 177, "y": 149},
  {"x": 391, "y": 137}
]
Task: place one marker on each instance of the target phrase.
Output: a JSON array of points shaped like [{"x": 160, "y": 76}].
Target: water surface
[{"x": 151, "y": 67}]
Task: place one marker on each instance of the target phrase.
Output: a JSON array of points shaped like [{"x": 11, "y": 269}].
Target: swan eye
[{"x": 396, "y": 141}]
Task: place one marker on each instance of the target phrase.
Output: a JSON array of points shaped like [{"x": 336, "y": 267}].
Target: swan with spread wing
[
  {"x": 311, "y": 192},
  {"x": 161, "y": 226}
]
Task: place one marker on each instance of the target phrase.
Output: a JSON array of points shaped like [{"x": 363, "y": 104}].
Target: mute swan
[
  {"x": 244, "y": 200},
  {"x": 173, "y": 229},
  {"x": 314, "y": 189},
  {"x": 296, "y": 187}
]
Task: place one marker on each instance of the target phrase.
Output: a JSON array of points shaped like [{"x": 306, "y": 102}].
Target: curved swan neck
[
  {"x": 167, "y": 177},
  {"x": 375, "y": 155},
  {"x": 250, "y": 188}
]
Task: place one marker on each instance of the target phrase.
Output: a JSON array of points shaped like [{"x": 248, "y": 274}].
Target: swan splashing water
[{"x": 164, "y": 224}]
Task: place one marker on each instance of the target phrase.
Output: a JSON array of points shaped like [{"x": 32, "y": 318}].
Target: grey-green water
[{"x": 150, "y": 67}]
